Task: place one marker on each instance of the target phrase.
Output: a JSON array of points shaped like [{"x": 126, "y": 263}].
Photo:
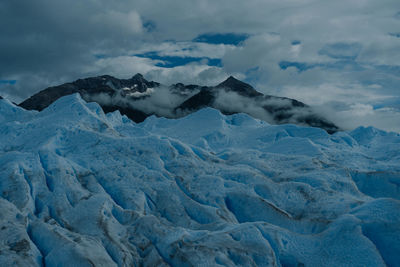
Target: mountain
[
  {"x": 79, "y": 187},
  {"x": 238, "y": 86},
  {"x": 138, "y": 98}
]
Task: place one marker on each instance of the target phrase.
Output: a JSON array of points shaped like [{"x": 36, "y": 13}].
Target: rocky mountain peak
[
  {"x": 233, "y": 84},
  {"x": 230, "y": 81},
  {"x": 137, "y": 76}
]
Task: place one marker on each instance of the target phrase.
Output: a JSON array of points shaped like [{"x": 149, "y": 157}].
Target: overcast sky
[{"x": 341, "y": 57}]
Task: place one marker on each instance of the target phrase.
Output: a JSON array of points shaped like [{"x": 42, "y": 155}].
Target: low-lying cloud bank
[{"x": 160, "y": 102}]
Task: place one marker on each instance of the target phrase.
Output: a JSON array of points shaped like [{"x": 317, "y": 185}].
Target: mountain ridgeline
[{"x": 138, "y": 99}]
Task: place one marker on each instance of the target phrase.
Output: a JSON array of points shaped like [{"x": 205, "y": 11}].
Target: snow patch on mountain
[{"x": 79, "y": 187}]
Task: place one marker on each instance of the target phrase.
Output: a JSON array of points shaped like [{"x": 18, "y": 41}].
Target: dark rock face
[
  {"x": 134, "y": 114},
  {"x": 204, "y": 98},
  {"x": 44, "y": 98},
  {"x": 122, "y": 94},
  {"x": 239, "y": 87}
]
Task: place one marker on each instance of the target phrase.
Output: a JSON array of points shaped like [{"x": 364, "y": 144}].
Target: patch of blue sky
[
  {"x": 174, "y": 61},
  {"x": 8, "y": 82},
  {"x": 100, "y": 56},
  {"x": 393, "y": 102},
  {"x": 149, "y": 26},
  {"x": 222, "y": 38}
]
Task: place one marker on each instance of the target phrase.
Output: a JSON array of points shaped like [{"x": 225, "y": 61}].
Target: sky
[{"x": 340, "y": 57}]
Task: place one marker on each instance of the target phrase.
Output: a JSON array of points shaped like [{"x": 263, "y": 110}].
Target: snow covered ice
[{"x": 80, "y": 188}]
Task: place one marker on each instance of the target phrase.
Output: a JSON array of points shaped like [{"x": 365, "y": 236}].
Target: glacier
[{"x": 79, "y": 187}]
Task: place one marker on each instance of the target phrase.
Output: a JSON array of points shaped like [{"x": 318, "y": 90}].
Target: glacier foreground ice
[{"x": 81, "y": 188}]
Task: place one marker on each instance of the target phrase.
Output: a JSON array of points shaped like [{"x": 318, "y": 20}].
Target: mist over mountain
[{"x": 138, "y": 98}]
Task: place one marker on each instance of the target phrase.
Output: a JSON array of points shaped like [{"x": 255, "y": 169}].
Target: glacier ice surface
[{"x": 80, "y": 188}]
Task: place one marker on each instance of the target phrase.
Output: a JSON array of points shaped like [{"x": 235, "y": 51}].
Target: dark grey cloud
[{"x": 47, "y": 41}]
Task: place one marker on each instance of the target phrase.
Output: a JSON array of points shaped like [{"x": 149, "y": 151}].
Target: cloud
[
  {"x": 125, "y": 23},
  {"x": 232, "y": 102},
  {"x": 350, "y": 117},
  {"x": 173, "y": 61},
  {"x": 350, "y": 107},
  {"x": 346, "y": 51},
  {"x": 46, "y": 42},
  {"x": 121, "y": 66},
  {"x": 160, "y": 101},
  {"x": 194, "y": 73},
  {"x": 288, "y": 48}
]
